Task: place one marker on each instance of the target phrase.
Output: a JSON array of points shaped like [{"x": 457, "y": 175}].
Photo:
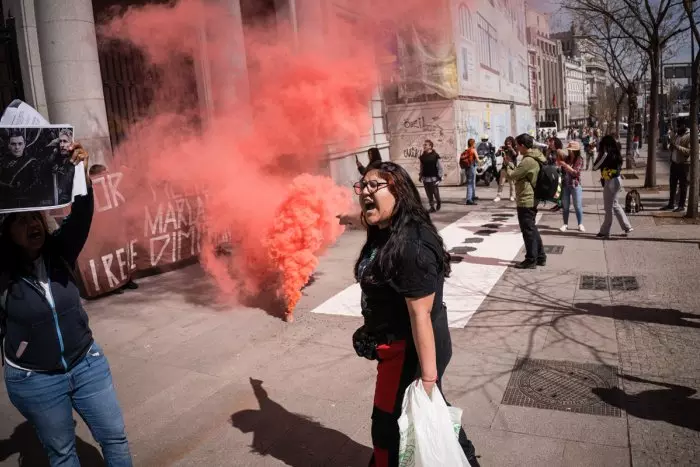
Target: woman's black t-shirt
[{"x": 419, "y": 273}]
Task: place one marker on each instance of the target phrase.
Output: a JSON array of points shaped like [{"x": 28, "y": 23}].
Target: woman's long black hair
[
  {"x": 608, "y": 144},
  {"x": 576, "y": 155},
  {"x": 409, "y": 214},
  {"x": 374, "y": 155}
]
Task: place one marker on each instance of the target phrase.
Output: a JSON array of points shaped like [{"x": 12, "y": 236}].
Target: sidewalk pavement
[{"x": 217, "y": 384}]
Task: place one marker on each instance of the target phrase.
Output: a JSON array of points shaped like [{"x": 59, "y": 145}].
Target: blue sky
[{"x": 561, "y": 21}]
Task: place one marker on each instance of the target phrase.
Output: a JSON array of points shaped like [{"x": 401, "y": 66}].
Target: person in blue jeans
[
  {"x": 467, "y": 162},
  {"x": 571, "y": 164},
  {"x": 52, "y": 364}
]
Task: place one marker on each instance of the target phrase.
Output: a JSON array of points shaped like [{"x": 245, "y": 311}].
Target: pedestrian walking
[
  {"x": 401, "y": 271},
  {"x": 571, "y": 164},
  {"x": 635, "y": 146},
  {"x": 374, "y": 156},
  {"x": 53, "y": 365},
  {"x": 468, "y": 161},
  {"x": 431, "y": 174},
  {"x": 589, "y": 146},
  {"x": 554, "y": 145},
  {"x": 680, "y": 169},
  {"x": 525, "y": 178},
  {"x": 609, "y": 163},
  {"x": 510, "y": 159}
]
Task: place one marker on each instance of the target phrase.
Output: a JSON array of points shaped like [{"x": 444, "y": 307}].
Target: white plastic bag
[{"x": 429, "y": 430}]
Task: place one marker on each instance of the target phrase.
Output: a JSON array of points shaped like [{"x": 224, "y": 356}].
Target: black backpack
[
  {"x": 548, "y": 185},
  {"x": 633, "y": 202}
]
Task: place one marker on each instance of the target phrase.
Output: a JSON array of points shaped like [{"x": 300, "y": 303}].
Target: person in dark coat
[
  {"x": 52, "y": 363},
  {"x": 431, "y": 174}
]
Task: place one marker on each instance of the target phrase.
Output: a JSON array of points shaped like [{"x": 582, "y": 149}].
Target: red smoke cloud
[{"x": 252, "y": 160}]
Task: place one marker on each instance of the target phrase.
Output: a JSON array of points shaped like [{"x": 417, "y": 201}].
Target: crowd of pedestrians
[{"x": 521, "y": 159}]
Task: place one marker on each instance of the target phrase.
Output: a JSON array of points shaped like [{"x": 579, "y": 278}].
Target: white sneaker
[
  {"x": 563, "y": 228},
  {"x": 496, "y": 199},
  {"x": 512, "y": 198},
  {"x": 581, "y": 228},
  {"x": 629, "y": 230}
]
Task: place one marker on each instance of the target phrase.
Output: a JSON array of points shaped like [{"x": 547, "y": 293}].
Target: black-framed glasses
[{"x": 372, "y": 186}]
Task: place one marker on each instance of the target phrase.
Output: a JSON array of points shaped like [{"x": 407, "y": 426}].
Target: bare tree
[
  {"x": 612, "y": 108},
  {"x": 627, "y": 65},
  {"x": 651, "y": 25},
  {"x": 692, "y": 11}
]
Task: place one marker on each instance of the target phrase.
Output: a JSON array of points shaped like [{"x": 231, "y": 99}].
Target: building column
[
  {"x": 230, "y": 68},
  {"x": 71, "y": 70},
  {"x": 29, "y": 57}
]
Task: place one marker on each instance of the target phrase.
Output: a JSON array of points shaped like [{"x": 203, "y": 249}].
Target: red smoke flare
[
  {"x": 249, "y": 157},
  {"x": 305, "y": 226}
]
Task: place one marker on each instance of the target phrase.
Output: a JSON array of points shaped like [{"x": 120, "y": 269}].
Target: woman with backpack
[
  {"x": 52, "y": 364},
  {"x": 467, "y": 162},
  {"x": 571, "y": 165},
  {"x": 609, "y": 163}
]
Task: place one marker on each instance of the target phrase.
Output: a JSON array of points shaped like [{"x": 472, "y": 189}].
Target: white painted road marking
[{"x": 472, "y": 279}]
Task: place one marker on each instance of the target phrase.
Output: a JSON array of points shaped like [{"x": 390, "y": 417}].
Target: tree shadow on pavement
[
  {"x": 673, "y": 404},
  {"x": 532, "y": 309},
  {"x": 294, "y": 439},
  {"x": 555, "y": 232},
  {"x": 24, "y": 442},
  {"x": 481, "y": 260},
  {"x": 667, "y": 316}
]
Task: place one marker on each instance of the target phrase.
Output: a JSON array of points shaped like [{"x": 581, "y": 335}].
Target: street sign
[{"x": 677, "y": 71}]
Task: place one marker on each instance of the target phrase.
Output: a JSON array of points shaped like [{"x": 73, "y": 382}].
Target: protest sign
[
  {"x": 106, "y": 261},
  {"x": 36, "y": 172},
  {"x": 136, "y": 233},
  {"x": 35, "y": 168}
]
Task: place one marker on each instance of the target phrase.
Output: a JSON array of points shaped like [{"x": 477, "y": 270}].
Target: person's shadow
[
  {"x": 24, "y": 442},
  {"x": 673, "y": 404},
  {"x": 294, "y": 439}
]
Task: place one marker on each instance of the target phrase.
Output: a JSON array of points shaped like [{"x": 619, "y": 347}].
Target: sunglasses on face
[{"x": 372, "y": 186}]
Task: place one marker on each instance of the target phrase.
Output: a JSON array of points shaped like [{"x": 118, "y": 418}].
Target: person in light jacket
[
  {"x": 680, "y": 170},
  {"x": 609, "y": 162}
]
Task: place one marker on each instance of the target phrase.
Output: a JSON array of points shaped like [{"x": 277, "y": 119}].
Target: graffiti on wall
[{"x": 411, "y": 125}]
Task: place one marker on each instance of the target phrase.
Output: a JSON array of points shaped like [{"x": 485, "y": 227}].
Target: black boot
[{"x": 527, "y": 264}]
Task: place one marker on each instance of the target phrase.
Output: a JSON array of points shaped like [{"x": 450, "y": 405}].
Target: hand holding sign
[{"x": 78, "y": 155}]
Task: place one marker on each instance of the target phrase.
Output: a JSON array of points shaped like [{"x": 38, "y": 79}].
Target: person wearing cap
[
  {"x": 52, "y": 363},
  {"x": 571, "y": 163}
]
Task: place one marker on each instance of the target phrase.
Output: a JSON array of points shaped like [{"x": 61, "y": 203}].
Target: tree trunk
[
  {"x": 694, "y": 149},
  {"x": 631, "y": 120},
  {"x": 618, "y": 107},
  {"x": 653, "y": 130}
]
